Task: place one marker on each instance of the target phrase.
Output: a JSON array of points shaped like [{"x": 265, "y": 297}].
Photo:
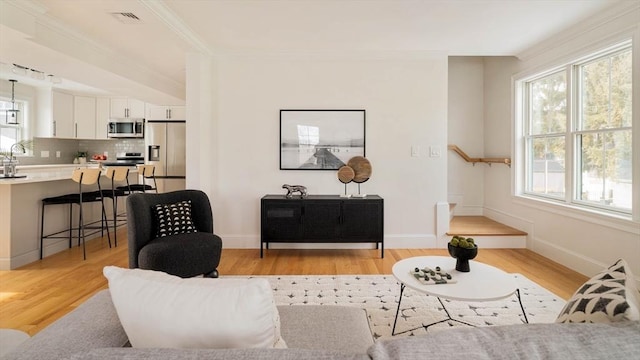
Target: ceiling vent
[{"x": 126, "y": 17}]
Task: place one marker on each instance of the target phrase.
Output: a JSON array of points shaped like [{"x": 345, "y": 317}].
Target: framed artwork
[{"x": 320, "y": 139}]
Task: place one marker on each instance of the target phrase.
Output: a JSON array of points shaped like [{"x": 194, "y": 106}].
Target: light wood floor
[{"x": 37, "y": 294}]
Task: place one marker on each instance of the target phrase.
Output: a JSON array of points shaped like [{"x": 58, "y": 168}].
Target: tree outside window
[
  {"x": 595, "y": 136},
  {"x": 547, "y": 118},
  {"x": 603, "y": 136}
]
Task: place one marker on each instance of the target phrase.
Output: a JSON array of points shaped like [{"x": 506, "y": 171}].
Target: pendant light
[{"x": 12, "y": 115}]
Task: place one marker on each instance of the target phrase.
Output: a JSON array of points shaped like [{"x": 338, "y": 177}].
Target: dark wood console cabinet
[{"x": 322, "y": 219}]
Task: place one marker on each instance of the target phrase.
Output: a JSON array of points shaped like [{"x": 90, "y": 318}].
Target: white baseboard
[
  {"x": 491, "y": 242},
  {"x": 509, "y": 220},
  {"x": 577, "y": 262},
  {"x": 501, "y": 242},
  {"x": 5, "y": 264},
  {"x": 410, "y": 241},
  {"x": 50, "y": 247},
  {"x": 33, "y": 255}
]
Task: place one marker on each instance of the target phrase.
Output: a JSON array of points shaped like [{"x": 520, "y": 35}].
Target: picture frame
[{"x": 320, "y": 139}]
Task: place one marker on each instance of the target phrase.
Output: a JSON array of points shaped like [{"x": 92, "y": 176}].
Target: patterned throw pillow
[
  {"x": 174, "y": 219},
  {"x": 609, "y": 296}
]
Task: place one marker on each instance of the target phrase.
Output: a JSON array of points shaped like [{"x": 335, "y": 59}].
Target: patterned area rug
[{"x": 378, "y": 295}]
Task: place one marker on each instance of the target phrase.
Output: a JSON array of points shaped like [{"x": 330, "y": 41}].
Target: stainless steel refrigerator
[{"x": 165, "y": 147}]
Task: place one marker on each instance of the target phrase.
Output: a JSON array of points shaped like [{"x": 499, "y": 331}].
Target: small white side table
[{"x": 482, "y": 283}]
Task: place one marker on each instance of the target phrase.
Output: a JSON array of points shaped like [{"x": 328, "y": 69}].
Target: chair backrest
[
  {"x": 147, "y": 171},
  {"x": 141, "y": 218},
  {"x": 117, "y": 173},
  {"x": 86, "y": 176}
]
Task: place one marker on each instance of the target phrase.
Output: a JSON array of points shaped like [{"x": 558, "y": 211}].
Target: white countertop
[{"x": 44, "y": 173}]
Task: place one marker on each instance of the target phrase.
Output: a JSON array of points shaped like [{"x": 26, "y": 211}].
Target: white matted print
[{"x": 320, "y": 139}]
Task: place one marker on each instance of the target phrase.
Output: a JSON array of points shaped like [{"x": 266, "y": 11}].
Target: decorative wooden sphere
[
  {"x": 362, "y": 168},
  {"x": 346, "y": 174}
]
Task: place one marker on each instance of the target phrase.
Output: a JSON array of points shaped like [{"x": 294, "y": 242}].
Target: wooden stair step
[{"x": 480, "y": 226}]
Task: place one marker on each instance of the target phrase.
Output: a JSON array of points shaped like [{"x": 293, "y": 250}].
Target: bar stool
[
  {"x": 117, "y": 174},
  {"x": 84, "y": 177},
  {"x": 148, "y": 174}
]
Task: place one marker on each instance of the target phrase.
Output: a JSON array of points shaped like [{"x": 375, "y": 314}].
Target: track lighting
[{"x": 35, "y": 74}]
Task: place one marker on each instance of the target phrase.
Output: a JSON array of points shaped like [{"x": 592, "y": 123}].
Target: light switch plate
[
  {"x": 44, "y": 153},
  {"x": 434, "y": 151}
]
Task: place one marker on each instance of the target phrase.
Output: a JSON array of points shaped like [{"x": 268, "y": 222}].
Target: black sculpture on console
[{"x": 295, "y": 188}]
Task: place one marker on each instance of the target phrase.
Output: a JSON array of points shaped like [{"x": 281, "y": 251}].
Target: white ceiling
[{"x": 81, "y": 41}]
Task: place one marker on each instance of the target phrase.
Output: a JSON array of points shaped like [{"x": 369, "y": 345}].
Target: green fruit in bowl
[
  {"x": 454, "y": 242},
  {"x": 463, "y": 244}
]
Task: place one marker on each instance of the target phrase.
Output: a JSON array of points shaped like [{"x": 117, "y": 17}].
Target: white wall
[
  {"x": 584, "y": 242},
  {"x": 406, "y": 104},
  {"x": 465, "y": 129}
]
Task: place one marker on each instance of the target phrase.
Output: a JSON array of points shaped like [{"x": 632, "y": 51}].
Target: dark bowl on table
[{"x": 462, "y": 256}]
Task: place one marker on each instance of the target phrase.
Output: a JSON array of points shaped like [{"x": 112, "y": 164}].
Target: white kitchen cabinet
[
  {"x": 157, "y": 112},
  {"x": 84, "y": 116},
  {"x": 103, "y": 112},
  {"x": 63, "y": 125},
  {"x": 127, "y": 108}
]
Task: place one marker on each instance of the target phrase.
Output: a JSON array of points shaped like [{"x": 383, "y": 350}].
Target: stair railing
[{"x": 467, "y": 158}]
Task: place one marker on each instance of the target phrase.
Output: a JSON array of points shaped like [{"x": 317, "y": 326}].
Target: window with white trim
[
  {"x": 576, "y": 127},
  {"x": 11, "y": 133}
]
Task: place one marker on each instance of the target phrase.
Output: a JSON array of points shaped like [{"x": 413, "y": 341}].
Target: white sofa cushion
[{"x": 164, "y": 311}]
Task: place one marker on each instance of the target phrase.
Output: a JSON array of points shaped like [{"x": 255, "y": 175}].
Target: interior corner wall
[
  {"x": 202, "y": 124},
  {"x": 466, "y": 130},
  {"x": 406, "y": 107}
]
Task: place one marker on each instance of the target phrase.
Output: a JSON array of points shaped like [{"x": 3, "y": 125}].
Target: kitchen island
[{"x": 20, "y": 211}]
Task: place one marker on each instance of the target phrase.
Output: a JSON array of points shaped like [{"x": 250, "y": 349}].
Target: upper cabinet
[
  {"x": 84, "y": 116},
  {"x": 103, "y": 112},
  {"x": 62, "y": 111},
  {"x": 87, "y": 117},
  {"x": 156, "y": 112},
  {"x": 127, "y": 108}
]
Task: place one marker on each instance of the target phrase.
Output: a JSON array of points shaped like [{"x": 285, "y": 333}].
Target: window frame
[
  {"x": 522, "y": 110},
  {"x": 22, "y": 126}
]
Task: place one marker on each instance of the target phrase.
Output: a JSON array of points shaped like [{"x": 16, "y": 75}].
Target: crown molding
[
  {"x": 617, "y": 12},
  {"x": 177, "y": 25},
  {"x": 351, "y": 55},
  {"x": 28, "y": 6}
]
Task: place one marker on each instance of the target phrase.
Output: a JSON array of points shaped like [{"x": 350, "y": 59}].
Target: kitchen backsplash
[{"x": 45, "y": 149}]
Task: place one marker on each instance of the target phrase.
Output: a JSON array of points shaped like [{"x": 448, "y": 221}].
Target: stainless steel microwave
[{"x": 126, "y": 128}]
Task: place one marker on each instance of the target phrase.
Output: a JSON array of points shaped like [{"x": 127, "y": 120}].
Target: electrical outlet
[{"x": 57, "y": 154}]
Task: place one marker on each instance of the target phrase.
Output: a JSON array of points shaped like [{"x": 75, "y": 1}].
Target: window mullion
[{"x": 572, "y": 112}]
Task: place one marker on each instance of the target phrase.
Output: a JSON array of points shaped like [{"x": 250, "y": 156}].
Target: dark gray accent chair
[{"x": 184, "y": 255}]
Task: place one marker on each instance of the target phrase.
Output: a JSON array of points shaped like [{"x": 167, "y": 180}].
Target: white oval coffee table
[{"x": 483, "y": 283}]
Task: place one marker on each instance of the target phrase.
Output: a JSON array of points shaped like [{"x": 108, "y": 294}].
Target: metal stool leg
[
  {"x": 115, "y": 220},
  {"x": 104, "y": 223},
  {"x": 42, "y": 231}
]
